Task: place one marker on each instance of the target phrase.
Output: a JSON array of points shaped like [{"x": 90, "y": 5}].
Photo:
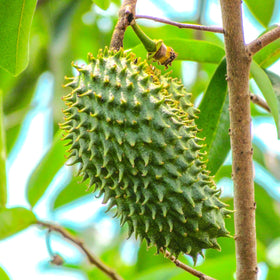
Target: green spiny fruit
[{"x": 132, "y": 130}]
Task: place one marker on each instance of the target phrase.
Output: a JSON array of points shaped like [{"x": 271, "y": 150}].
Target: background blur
[{"x": 65, "y": 31}]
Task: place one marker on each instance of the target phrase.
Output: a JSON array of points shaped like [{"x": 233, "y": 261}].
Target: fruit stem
[{"x": 149, "y": 44}]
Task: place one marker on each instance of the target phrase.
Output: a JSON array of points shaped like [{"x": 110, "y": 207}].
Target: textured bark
[
  {"x": 126, "y": 17},
  {"x": 238, "y": 67}
]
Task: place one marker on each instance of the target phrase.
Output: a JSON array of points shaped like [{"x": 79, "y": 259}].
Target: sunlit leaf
[
  {"x": 44, "y": 173},
  {"x": 159, "y": 273},
  {"x": 269, "y": 54},
  {"x": 220, "y": 268},
  {"x": 103, "y": 4},
  {"x": 15, "y": 20},
  {"x": 3, "y": 183},
  {"x": 223, "y": 172},
  {"x": 3, "y": 274},
  {"x": 14, "y": 220},
  {"x": 265, "y": 85},
  {"x": 266, "y": 215},
  {"x": 146, "y": 259},
  {"x": 214, "y": 119},
  {"x": 275, "y": 81},
  {"x": 73, "y": 191},
  {"x": 273, "y": 273},
  {"x": 192, "y": 50},
  {"x": 262, "y": 10}
]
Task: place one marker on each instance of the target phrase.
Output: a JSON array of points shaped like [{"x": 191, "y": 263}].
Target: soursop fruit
[{"x": 133, "y": 133}]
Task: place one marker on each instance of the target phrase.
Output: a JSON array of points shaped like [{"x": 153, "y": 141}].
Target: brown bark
[
  {"x": 264, "y": 40},
  {"x": 238, "y": 68},
  {"x": 126, "y": 17}
]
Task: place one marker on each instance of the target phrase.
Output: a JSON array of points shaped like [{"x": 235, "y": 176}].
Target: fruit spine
[{"x": 132, "y": 130}]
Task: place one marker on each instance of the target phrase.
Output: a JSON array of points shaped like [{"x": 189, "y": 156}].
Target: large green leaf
[
  {"x": 221, "y": 268},
  {"x": 214, "y": 119},
  {"x": 269, "y": 54},
  {"x": 262, "y": 10},
  {"x": 159, "y": 273},
  {"x": 273, "y": 273},
  {"x": 15, "y": 21},
  {"x": 275, "y": 81},
  {"x": 193, "y": 50},
  {"x": 14, "y": 220},
  {"x": 267, "y": 218},
  {"x": 3, "y": 183},
  {"x": 103, "y": 4},
  {"x": 264, "y": 83},
  {"x": 223, "y": 172},
  {"x": 73, "y": 191},
  {"x": 3, "y": 274},
  {"x": 44, "y": 173}
]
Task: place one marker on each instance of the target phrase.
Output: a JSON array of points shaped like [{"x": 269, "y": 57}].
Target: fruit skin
[{"x": 133, "y": 132}]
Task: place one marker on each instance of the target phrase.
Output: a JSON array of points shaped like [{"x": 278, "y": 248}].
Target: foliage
[{"x": 62, "y": 31}]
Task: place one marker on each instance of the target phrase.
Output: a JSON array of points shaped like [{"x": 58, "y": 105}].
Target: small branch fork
[
  {"x": 216, "y": 29},
  {"x": 267, "y": 38},
  {"x": 187, "y": 268},
  {"x": 91, "y": 257}
]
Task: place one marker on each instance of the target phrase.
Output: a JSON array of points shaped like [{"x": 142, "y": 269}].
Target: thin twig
[
  {"x": 216, "y": 29},
  {"x": 264, "y": 40},
  {"x": 126, "y": 17},
  {"x": 91, "y": 257},
  {"x": 259, "y": 101},
  {"x": 187, "y": 268}
]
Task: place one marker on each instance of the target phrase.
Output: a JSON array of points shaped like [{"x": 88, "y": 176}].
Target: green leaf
[
  {"x": 196, "y": 50},
  {"x": 223, "y": 172},
  {"x": 102, "y": 4},
  {"x": 3, "y": 182},
  {"x": 267, "y": 90},
  {"x": 159, "y": 273},
  {"x": 273, "y": 273},
  {"x": 193, "y": 50},
  {"x": 214, "y": 119},
  {"x": 3, "y": 274},
  {"x": 275, "y": 81},
  {"x": 269, "y": 54},
  {"x": 267, "y": 217},
  {"x": 262, "y": 10},
  {"x": 44, "y": 173},
  {"x": 219, "y": 268},
  {"x": 14, "y": 220},
  {"x": 73, "y": 191},
  {"x": 15, "y": 20},
  {"x": 147, "y": 260}
]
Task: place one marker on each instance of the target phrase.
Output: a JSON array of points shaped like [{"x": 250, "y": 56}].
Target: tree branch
[
  {"x": 238, "y": 71},
  {"x": 263, "y": 40},
  {"x": 91, "y": 257},
  {"x": 126, "y": 17},
  {"x": 183, "y": 25},
  {"x": 259, "y": 101},
  {"x": 187, "y": 268}
]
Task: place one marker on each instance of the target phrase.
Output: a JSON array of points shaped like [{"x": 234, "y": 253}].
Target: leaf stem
[
  {"x": 91, "y": 257},
  {"x": 215, "y": 29},
  {"x": 267, "y": 38}
]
